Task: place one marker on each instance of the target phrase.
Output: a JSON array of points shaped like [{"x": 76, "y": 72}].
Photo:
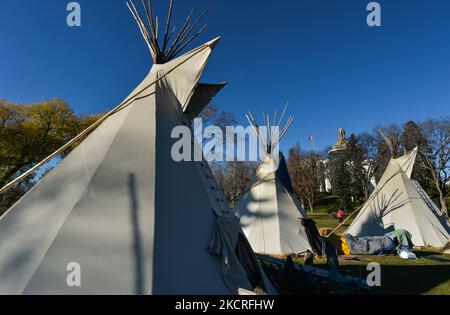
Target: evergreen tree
[
  {"x": 411, "y": 138},
  {"x": 341, "y": 181},
  {"x": 356, "y": 155}
]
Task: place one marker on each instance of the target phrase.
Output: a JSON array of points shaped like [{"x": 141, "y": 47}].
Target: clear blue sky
[{"x": 318, "y": 54}]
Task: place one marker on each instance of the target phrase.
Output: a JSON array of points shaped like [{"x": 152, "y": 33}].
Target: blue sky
[{"x": 319, "y": 55}]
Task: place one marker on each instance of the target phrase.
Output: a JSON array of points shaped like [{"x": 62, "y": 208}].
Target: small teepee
[
  {"x": 118, "y": 212},
  {"x": 400, "y": 203},
  {"x": 268, "y": 209}
]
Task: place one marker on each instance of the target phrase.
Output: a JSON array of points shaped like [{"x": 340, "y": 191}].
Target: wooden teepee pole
[
  {"x": 268, "y": 139},
  {"x": 166, "y": 33},
  {"x": 150, "y": 31}
]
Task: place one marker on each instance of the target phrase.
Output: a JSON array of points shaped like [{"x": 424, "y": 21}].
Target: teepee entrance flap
[{"x": 202, "y": 97}]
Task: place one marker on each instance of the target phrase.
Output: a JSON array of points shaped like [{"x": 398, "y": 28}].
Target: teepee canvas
[
  {"x": 119, "y": 216},
  {"x": 268, "y": 209},
  {"x": 400, "y": 203}
]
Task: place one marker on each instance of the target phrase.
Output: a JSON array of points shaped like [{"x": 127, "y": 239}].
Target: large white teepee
[
  {"x": 400, "y": 203},
  {"x": 269, "y": 211},
  {"x": 121, "y": 209}
]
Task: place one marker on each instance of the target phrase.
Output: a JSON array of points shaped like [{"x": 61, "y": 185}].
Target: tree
[
  {"x": 411, "y": 138},
  {"x": 369, "y": 145},
  {"x": 233, "y": 176},
  {"x": 437, "y": 133},
  {"x": 212, "y": 115},
  {"x": 28, "y": 134},
  {"x": 307, "y": 174},
  {"x": 388, "y": 146},
  {"x": 341, "y": 179},
  {"x": 356, "y": 154},
  {"x": 234, "y": 179}
]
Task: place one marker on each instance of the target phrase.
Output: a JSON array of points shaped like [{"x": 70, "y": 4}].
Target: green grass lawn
[{"x": 398, "y": 276}]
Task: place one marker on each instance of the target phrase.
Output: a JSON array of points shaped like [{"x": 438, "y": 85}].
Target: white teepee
[
  {"x": 122, "y": 210},
  {"x": 268, "y": 210},
  {"x": 400, "y": 203}
]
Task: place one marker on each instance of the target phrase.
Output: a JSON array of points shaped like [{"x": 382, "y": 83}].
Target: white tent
[
  {"x": 270, "y": 212},
  {"x": 400, "y": 203},
  {"x": 119, "y": 207}
]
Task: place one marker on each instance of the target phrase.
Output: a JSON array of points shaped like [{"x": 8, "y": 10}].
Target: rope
[
  {"x": 118, "y": 108},
  {"x": 261, "y": 181},
  {"x": 378, "y": 190}
]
